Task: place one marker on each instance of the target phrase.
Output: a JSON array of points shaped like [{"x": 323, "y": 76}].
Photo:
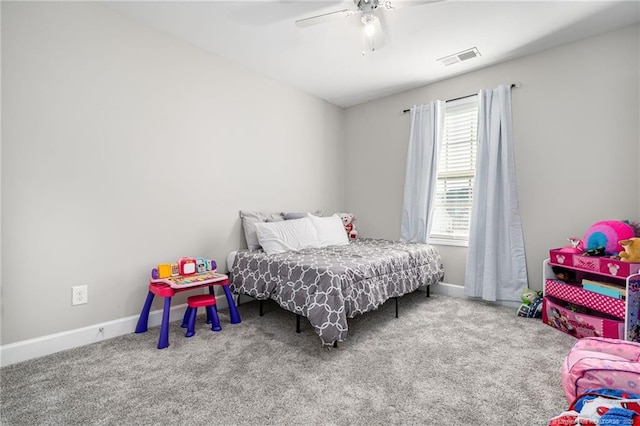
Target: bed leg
[
  {"x": 428, "y": 287},
  {"x": 261, "y": 308},
  {"x": 297, "y": 323},
  {"x": 335, "y": 344},
  {"x": 396, "y": 306}
]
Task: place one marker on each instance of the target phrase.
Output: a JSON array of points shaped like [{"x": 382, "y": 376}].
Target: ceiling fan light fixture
[
  {"x": 372, "y": 33},
  {"x": 369, "y": 25}
]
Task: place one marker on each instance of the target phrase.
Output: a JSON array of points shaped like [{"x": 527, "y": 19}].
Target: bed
[{"x": 335, "y": 282}]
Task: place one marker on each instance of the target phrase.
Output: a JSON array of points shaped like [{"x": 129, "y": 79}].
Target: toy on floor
[
  {"x": 531, "y": 304},
  {"x": 349, "y": 226},
  {"x": 631, "y": 252},
  {"x": 601, "y": 407}
]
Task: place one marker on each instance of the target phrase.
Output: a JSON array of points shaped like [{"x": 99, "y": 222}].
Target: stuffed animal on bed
[{"x": 349, "y": 226}]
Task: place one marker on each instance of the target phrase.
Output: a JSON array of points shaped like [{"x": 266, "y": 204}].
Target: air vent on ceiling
[{"x": 459, "y": 57}]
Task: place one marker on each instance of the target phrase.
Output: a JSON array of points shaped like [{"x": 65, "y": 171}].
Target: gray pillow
[
  {"x": 249, "y": 220},
  {"x": 293, "y": 215},
  {"x": 298, "y": 215}
]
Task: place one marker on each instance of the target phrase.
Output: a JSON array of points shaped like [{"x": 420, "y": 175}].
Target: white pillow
[
  {"x": 249, "y": 220},
  {"x": 288, "y": 235},
  {"x": 330, "y": 230}
]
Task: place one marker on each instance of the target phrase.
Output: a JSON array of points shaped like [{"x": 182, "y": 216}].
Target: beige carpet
[{"x": 445, "y": 361}]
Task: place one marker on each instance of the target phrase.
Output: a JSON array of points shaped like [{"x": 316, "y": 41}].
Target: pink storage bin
[
  {"x": 597, "y": 362},
  {"x": 600, "y": 265},
  {"x": 579, "y": 296},
  {"x": 560, "y": 258},
  {"x": 579, "y": 324},
  {"x": 587, "y": 263},
  {"x": 616, "y": 268}
]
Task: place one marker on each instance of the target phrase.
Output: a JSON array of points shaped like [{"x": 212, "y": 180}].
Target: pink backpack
[{"x": 599, "y": 362}]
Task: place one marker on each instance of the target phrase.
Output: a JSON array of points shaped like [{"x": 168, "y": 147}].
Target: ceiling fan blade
[
  {"x": 399, "y": 4},
  {"x": 319, "y": 19}
]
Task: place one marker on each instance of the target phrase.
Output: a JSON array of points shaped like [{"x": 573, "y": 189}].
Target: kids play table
[{"x": 168, "y": 287}]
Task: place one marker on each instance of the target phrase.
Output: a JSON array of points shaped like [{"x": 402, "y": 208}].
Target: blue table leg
[
  {"x": 212, "y": 312},
  {"x": 233, "y": 310},
  {"x": 141, "y": 327},
  {"x": 164, "y": 328},
  {"x": 212, "y": 293}
]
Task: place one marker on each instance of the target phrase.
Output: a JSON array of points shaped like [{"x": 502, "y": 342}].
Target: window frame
[{"x": 450, "y": 239}]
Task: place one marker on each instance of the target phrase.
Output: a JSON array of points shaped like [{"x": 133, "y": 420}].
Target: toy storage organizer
[{"x": 572, "y": 309}]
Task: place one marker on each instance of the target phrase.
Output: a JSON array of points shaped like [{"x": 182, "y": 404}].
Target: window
[{"x": 456, "y": 171}]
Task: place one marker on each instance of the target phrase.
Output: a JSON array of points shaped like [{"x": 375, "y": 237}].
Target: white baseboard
[
  {"x": 447, "y": 289},
  {"x": 455, "y": 290},
  {"x": 46, "y": 345}
]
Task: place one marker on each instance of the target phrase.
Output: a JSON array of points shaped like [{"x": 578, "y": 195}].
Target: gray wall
[
  {"x": 123, "y": 148},
  {"x": 577, "y": 140}
]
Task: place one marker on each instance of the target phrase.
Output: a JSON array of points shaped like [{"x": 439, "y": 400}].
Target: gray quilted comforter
[{"x": 330, "y": 284}]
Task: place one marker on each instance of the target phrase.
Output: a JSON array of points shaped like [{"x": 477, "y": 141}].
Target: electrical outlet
[{"x": 79, "y": 295}]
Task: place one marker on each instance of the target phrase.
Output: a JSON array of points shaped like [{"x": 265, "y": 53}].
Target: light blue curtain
[
  {"x": 496, "y": 267},
  {"x": 427, "y": 123}
]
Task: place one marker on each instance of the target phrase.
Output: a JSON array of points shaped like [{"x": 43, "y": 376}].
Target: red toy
[{"x": 187, "y": 266}]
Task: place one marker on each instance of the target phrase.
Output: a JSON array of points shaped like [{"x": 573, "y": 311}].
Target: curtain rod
[{"x": 516, "y": 84}]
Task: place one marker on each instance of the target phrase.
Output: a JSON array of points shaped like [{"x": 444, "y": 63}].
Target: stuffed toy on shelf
[{"x": 631, "y": 252}]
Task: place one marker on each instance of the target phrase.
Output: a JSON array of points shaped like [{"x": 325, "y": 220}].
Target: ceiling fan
[{"x": 372, "y": 35}]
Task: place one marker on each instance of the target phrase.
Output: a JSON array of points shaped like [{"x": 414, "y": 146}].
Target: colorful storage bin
[
  {"x": 600, "y": 265},
  {"x": 579, "y": 324},
  {"x": 579, "y": 296}
]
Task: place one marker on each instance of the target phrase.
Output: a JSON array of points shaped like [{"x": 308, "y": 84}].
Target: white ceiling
[{"x": 326, "y": 60}]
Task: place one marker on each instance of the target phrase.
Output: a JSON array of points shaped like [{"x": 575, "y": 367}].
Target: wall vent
[{"x": 459, "y": 57}]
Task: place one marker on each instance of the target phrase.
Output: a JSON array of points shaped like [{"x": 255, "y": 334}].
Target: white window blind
[{"x": 456, "y": 171}]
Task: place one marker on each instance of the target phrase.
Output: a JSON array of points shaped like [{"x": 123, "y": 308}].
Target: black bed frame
[{"x": 298, "y": 316}]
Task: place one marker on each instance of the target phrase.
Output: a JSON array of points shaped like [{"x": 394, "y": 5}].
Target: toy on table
[
  {"x": 631, "y": 252},
  {"x": 349, "y": 226},
  {"x": 185, "y": 266},
  {"x": 201, "y": 264},
  {"x": 531, "y": 304},
  {"x": 193, "y": 279},
  {"x": 164, "y": 270}
]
